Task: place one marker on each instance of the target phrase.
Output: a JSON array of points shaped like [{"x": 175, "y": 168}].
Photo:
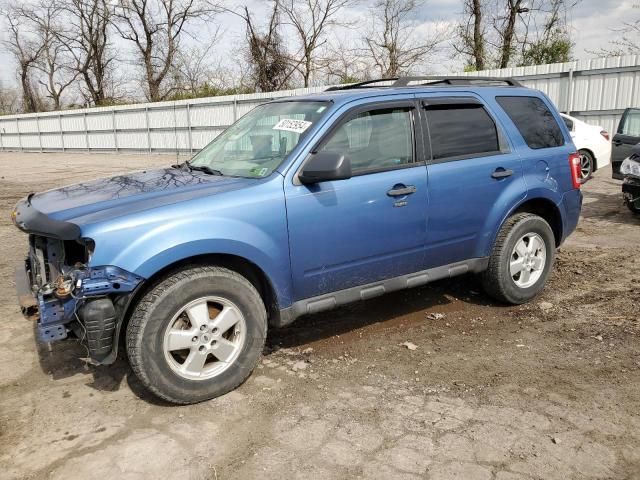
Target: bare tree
[
  {"x": 505, "y": 26},
  {"x": 155, "y": 27},
  {"x": 393, "y": 44},
  {"x": 471, "y": 35},
  {"x": 627, "y": 38},
  {"x": 23, "y": 45},
  {"x": 193, "y": 66},
  {"x": 9, "y": 100},
  {"x": 311, "y": 20},
  {"x": 53, "y": 62},
  {"x": 269, "y": 68},
  {"x": 551, "y": 42},
  {"x": 501, "y": 33},
  {"x": 87, "y": 35},
  {"x": 344, "y": 64}
]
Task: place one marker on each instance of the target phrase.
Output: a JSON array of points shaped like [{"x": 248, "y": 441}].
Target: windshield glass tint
[{"x": 258, "y": 143}]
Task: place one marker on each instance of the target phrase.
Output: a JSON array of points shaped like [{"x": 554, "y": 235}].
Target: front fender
[
  {"x": 248, "y": 224},
  {"x": 168, "y": 243}
]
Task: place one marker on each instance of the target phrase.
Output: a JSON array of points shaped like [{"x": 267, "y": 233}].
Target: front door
[
  {"x": 372, "y": 226},
  {"x": 626, "y": 137}
]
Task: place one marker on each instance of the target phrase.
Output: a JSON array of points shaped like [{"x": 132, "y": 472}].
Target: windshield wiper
[
  {"x": 205, "y": 169},
  {"x": 182, "y": 166}
]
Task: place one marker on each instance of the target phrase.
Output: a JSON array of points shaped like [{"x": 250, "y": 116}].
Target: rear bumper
[{"x": 602, "y": 153}]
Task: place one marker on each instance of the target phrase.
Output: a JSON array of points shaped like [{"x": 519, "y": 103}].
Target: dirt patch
[{"x": 545, "y": 390}]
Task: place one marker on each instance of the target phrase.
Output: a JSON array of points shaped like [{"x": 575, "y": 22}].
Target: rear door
[
  {"x": 626, "y": 137},
  {"x": 472, "y": 165}
]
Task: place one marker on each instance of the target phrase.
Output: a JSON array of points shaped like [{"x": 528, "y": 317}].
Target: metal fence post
[
  {"x": 61, "y": 130},
  {"x": 39, "y": 132},
  {"x": 570, "y": 92},
  {"x": 146, "y": 114},
  {"x": 189, "y": 128},
  {"x": 235, "y": 109},
  {"x": 113, "y": 125},
  {"x": 19, "y": 136},
  {"x": 86, "y": 131}
]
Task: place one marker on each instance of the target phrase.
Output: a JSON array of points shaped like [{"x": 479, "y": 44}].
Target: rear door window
[
  {"x": 534, "y": 120},
  {"x": 461, "y": 131}
]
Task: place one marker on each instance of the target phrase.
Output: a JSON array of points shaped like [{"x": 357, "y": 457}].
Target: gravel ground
[{"x": 548, "y": 390}]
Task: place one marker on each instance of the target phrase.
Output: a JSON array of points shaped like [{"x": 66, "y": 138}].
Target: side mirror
[{"x": 324, "y": 166}]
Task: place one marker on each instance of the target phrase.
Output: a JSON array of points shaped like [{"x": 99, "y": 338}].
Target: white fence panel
[{"x": 596, "y": 90}]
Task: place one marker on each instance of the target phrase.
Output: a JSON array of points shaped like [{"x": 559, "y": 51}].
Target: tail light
[
  {"x": 574, "y": 165},
  {"x": 605, "y": 134}
]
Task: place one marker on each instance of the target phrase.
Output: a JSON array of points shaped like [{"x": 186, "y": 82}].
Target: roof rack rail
[{"x": 431, "y": 80}]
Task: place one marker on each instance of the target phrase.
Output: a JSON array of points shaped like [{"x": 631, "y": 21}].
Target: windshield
[{"x": 257, "y": 144}]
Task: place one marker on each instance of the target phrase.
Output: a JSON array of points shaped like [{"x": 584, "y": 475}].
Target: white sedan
[{"x": 593, "y": 144}]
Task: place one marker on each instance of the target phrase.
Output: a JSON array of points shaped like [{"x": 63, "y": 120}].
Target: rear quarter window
[{"x": 534, "y": 120}]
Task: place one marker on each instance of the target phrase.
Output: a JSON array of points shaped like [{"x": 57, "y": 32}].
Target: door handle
[
  {"x": 401, "y": 190},
  {"x": 617, "y": 143},
  {"x": 502, "y": 173}
]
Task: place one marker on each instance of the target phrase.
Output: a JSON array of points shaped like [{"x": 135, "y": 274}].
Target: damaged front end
[{"x": 70, "y": 297}]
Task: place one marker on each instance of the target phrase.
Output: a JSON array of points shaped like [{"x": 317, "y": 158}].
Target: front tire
[
  {"x": 196, "y": 334},
  {"x": 521, "y": 261}
]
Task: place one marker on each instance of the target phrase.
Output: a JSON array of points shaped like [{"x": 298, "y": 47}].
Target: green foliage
[
  {"x": 470, "y": 68},
  {"x": 207, "y": 90},
  {"x": 349, "y": 79},
  {"x": 554, "y": 50}
]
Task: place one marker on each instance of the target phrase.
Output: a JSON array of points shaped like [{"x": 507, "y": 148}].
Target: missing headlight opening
[{"x": 68, "y": 292}]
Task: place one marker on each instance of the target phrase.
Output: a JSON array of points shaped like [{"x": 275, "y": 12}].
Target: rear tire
[
  {"x": 521, "y": 261},
  {"x": 196, "y": 334}
]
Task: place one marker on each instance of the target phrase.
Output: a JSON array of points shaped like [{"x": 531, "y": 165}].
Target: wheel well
[
  {"x": 244, "y": 267},
  {"x": 547, "y": 210},
  {"x": 595, "y": 160}
]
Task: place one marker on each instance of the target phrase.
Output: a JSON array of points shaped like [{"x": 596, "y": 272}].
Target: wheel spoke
[
  {"x": 525, "y": 275},
  {"x": 194, "y": 362},
  {"x": 180, "y": 340},
  {"x": 515, "y": 266},
  {"x": 534, "y": 244},
  {"x": 199, "y": 314},
  {"x": 223, "y": 349},
  {"x": 538, "y": 263},
  {"x": 226, "y": 319},
  {"x": 521, "y": 248}
]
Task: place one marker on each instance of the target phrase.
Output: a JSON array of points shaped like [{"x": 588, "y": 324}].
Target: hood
[{"x": 124, "y": 194}]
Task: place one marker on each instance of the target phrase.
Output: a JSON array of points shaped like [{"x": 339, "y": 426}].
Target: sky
[{"x": 592, "y": 23}]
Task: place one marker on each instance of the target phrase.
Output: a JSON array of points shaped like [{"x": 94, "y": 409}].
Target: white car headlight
[{"x": 630, "y": 167}]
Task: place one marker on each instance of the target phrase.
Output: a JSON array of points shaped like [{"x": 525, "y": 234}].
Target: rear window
[
  {"x": 461, "y": 132},
  {"x": 534, "y": 120}
]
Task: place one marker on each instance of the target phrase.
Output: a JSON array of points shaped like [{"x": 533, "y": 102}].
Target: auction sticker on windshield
[{"x": 290, "y": 125}]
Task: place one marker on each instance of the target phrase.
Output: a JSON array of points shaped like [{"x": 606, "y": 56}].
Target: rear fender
[{"x": 507, "y": 206}]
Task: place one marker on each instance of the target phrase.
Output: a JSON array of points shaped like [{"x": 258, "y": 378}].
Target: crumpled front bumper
[
  {"x": 631, "y": 191},
  {"x": 91, "y": 308}
]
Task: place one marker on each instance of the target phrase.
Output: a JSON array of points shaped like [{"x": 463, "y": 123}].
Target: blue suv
[{"x": 304, "y": 204}]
